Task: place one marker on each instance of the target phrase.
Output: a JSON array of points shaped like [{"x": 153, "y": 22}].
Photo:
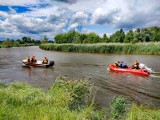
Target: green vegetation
[
  {"x": 151, "y": 34},
  {"x": 118, "y": 108},
  {"x": 133, "y": 42},
  {"x": 122, "y": 109},
  {"x": 143, "y": 113},
  {"x": 25, "y": 41},
  {"x": 139, "y": 48},
  {"x": 65, "y": 100}
]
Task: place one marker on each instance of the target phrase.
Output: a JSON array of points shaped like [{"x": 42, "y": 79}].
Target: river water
[{"x": 145, "y": 90}]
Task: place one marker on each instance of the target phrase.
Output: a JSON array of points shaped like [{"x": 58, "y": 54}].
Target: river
[{"x": 145, "y": 90}]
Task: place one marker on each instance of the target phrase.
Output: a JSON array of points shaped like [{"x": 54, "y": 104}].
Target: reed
[{"x": 140, "y": 48}]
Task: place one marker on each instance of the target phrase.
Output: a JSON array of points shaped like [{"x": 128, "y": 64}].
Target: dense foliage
[
  {"x": 125, "y": 48},
  {"x": 151, "y": 34}
]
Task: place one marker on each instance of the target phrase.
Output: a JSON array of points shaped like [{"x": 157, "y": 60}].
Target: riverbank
[
  {"x": 65, "y": 100},
  {"x": 118, "y": 48},
  {"x": 19, "y": 45}
]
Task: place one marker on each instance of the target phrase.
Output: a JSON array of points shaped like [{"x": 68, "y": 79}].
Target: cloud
[
  {"x": 19, "y": 2},
  {"x": 102, "y": 17},
  {"x": 77, "y": 21},
  {"x": 66, "y": 1},
  {"x": 37, "y": 18}
]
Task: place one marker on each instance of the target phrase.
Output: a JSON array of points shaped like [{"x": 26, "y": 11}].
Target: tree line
[
  {"x": 151, "y": 34},
  {"x": 24, "y": 41}
]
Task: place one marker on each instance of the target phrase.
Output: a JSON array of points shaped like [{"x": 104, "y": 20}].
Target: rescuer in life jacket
[
  {"x": 117, "y": 64},
  {"x": 45, "y": 60},
  {"x": 135, "y": 65},
  {"x": 123, "y": 65},
  {"x": 33, "y": 59},
  {"x": 28, "y": 60}
]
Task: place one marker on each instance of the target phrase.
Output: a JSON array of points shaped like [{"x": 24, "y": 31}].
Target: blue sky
[{"x": 39, "y": 18}]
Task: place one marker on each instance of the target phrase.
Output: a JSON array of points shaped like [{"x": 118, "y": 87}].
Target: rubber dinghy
[
  {"x": 130, "y": 70},
  {"x": 38, "y": 64}
]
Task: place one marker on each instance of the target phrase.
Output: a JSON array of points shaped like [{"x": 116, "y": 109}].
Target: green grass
[
  {"x": 143, "y": 113},
  {"x": 66, "y": 100},
  {"x": 119, "y": 48}
]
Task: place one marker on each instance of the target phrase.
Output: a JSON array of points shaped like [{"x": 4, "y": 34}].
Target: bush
[{"x": 118, "y": 108}]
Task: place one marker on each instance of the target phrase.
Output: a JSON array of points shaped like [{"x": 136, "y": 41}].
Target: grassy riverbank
[
  {"x": 65, "y": 100},
  {"x": 120, "y": 48}
]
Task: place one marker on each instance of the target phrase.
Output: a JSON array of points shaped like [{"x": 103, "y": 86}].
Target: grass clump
[{"x": 66, "y": 100}]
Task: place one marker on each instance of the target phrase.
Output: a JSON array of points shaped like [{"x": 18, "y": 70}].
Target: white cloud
[
  {"x": 49, "y": 17},
  {"x": 18, "y": 2}
]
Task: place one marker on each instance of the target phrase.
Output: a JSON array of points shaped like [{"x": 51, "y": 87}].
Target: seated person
[
  {"x": 28, "y": 60},
  {"x": 117, "y": 64},
  {"x": 123, "y": 65},
  {"x": 33, "y": 59},
  {"x": 135, "y": 65},
  {"x": 45, "y": 60}
]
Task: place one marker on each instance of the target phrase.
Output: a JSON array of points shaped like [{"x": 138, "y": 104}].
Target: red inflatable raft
[{"x": 130, "y": 70}]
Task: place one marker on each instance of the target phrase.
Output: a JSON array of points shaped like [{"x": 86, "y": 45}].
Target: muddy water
[{"x": 108, "y": 84}]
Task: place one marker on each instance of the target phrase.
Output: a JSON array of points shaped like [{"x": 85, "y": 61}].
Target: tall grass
[
  {"x": 142, "y": 48},
  {"x": 143, "y": 113},
  {"x": 66, "y": 100}
]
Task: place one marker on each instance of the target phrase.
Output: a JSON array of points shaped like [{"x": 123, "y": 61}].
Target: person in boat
[
  {"x": 33, "y": 59},
  {"x": 117, "y": 64},
  {"x": 28, "y": 60},
  {"x": 123, "y": 65},
  {"x": 45, "y": 60},
  {"x": 135, "y": 65}
]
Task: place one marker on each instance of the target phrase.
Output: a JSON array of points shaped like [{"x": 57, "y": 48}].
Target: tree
[
  {"x": 138, "y": 35},
  {"x": 105, "y": 38},
  {"x": 92, "y": 38},
  {"x": 76, "y": 38},
  {"x": 45, "y": 39},
  {"x": 7, "y": 43},
  {"x": 129, "y": 37},
  {"x": 118, "y": 36},
  {"x": 24, "y": 40},
  {"x": 16, "y": 44}
]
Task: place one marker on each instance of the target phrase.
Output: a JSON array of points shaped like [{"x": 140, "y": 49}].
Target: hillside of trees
[{"x": 151, "y": 34}]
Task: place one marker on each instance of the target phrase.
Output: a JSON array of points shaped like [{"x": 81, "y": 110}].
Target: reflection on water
[{"x": 108, "y": 84}]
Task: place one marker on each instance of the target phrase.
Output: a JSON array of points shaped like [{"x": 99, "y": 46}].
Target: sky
[{"x": 39, "y": 18}]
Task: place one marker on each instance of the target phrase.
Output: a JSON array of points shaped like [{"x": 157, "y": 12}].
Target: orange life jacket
[{"x": 45, "y": 61}]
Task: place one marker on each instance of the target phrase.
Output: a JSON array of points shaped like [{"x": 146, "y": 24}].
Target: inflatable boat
[
  {"x": 37, "y": 64},
  {"x": 130, "y": 70}
]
